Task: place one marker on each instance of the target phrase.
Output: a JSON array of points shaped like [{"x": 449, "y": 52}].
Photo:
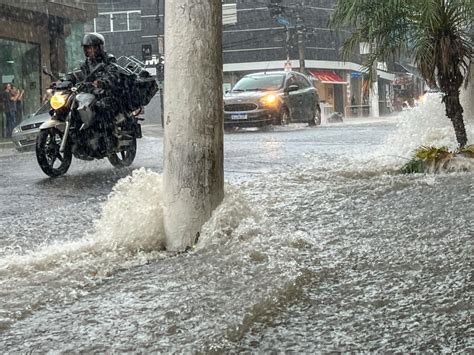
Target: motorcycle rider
[
  {"x": 102, "y": 79},
  {"x": 106, "y": 82}
]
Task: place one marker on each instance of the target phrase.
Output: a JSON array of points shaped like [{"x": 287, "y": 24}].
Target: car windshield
[
  {"x": 260, "y": 82},
  {"x": 43, "y": 109}
]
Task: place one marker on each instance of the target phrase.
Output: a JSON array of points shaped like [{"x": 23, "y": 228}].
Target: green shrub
[{"x": 434, "y": 159}]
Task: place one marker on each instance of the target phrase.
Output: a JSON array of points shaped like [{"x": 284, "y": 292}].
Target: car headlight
[
  {"x": 269, "y": 100},
  {"x": 16, "y": 130},
  {"x": 58, "y": 100}
]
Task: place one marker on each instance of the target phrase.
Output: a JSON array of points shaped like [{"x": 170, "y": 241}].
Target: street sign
[{"x": 146, "y": 51}]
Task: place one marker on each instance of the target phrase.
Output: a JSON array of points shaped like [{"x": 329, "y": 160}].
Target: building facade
[
  {"x": 32, "y": 35},
  {"x": 262, "y": 35},
  {"x": 272, "y": 35},
  {"x": 131, "y": 28}
]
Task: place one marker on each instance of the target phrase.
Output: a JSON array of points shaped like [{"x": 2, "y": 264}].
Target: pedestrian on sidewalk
[
  {"x": 18, "y": 93},
  {"x": 9, "y": 103}
]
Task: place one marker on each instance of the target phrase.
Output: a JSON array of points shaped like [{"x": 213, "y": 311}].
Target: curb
[{"x": 7, "y": 145}]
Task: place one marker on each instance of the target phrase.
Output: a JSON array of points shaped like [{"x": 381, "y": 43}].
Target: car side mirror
[{"x": 293, "y": 87}]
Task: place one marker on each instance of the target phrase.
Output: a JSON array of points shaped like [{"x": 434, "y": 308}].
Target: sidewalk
[
  {"x": 6, "y": 143},
  {"x": 371, "y": 119}
]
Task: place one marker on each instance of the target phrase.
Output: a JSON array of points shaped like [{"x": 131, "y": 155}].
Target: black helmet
[{"x": 93, "y": 39}]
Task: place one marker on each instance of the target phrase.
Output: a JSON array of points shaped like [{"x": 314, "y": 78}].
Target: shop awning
[{"x": 327, "y": 77}]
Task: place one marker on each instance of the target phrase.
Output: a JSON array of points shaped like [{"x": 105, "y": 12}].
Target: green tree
[{"x": 437, "y": 34}]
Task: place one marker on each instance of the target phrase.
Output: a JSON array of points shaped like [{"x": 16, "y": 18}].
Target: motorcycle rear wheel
[
  {"x": 125, "y": 157},
  {"x": 51, "y": 161}
]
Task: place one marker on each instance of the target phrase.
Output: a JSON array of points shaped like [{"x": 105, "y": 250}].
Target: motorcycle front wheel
[
  {"x": 50, "y": 159},
  {"x": 125, "y": 157}
]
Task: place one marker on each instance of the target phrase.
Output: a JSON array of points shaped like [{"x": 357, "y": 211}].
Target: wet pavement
[{"x": 319, "y": 245}]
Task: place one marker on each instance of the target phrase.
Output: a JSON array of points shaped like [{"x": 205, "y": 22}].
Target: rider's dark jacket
[{"x": 111, "y": 83}]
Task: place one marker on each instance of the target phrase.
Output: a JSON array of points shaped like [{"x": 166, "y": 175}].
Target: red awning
[{"x": 327, "y": 77}]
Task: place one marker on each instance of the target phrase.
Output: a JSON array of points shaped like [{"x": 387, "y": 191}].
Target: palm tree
[{"x": 436, "y": 33}]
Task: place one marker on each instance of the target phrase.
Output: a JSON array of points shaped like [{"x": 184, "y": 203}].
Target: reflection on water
[{"x": 339, "y": 253}]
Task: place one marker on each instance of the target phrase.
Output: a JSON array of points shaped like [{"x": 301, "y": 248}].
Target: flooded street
[{"x": 319, "y": 245}]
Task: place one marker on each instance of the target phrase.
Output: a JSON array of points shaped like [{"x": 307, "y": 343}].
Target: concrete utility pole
[
  {"x": 300, "y": 31},
  {"x": 374, "y": 94},
  {"x": 193, "y": 143}
]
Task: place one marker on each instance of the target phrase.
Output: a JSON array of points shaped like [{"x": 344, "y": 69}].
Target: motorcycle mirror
[
  {"x": 48, "y": 73},
  {"x": 45, "y": 70}
]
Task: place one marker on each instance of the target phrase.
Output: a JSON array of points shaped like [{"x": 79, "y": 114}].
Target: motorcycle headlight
[
  {"x": 58, "y": 100},
  {"x": 269, "y": 100}
]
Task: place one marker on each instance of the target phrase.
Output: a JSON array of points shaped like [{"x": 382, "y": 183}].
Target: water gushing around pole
[
  {"x": 124, "y": 236},
  {"x": 236, "y": 255}
]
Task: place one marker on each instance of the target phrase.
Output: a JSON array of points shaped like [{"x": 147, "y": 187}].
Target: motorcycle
[{"x": 74, "y": 129}]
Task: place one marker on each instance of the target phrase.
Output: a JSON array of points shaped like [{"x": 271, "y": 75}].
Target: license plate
[{"x": 239, "y": 116}]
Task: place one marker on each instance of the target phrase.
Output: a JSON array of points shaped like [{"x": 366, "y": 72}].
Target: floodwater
[{"x": 317, "y": 246}]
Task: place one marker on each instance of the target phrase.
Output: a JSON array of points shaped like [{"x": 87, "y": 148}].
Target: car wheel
[
  {"x": 284, "y": 117},
  {"x": 50, "y": 159},
  {"x": 316, "y": 119}
]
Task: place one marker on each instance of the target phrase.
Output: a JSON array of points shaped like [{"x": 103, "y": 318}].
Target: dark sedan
[{"x": 271, "y": 98}]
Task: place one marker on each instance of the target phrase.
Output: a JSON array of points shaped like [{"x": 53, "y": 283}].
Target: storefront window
[{"x": 20, "y": 65}]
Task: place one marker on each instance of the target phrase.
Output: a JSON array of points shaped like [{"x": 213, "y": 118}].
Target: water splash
[
  {"x": 129, "y": 233},
  {"x": 426, "y": 125},
  {"x": 132, "y": 217}
]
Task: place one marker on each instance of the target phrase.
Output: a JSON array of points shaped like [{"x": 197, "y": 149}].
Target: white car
[{"x": 24, "y": 135}]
